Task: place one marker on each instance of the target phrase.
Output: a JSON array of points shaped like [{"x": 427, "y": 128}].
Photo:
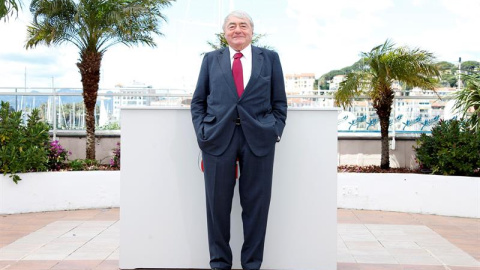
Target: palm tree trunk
[
  {"x": 385, "y": 156},
  {"x": 89, "y": 67},
  {"x": 383, "y": 107}
]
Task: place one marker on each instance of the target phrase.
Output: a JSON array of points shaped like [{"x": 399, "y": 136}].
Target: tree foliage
[
  {"x": 384, "y": 65},
  {"x": 445, "y": 66},
  {"x": 449, "y": 72},
  {"x": 9, "y": 8},
  {"x": 470, "y": 66},
  {"x": 467, "y": 100},
  {"x": 95, "y": 25}
]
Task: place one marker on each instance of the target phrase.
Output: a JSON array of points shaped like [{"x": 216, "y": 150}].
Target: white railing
[{"x": 63, "y": 108}]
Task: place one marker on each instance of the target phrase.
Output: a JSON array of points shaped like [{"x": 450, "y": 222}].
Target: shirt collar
[{"x": 247, "y": 52}]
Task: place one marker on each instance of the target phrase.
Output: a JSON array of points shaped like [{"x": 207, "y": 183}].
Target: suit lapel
[{"x": 226, "y": 67}]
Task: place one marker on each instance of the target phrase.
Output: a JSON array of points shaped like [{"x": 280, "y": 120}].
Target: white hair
[{"x": 239, "y": 14}]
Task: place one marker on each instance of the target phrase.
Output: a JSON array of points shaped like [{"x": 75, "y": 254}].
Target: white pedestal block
[{"x": 162, "y": 204}]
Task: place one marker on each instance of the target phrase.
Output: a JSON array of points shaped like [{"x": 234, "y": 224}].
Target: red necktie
[{"x": 237, "y": 72}]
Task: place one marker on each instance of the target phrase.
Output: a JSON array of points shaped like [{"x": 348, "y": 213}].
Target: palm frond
[
  {"x": 52, "y": 23},
  {"x": 415, "y": 68},
  {"x": 353, "y": 85},
  {"x": 9, "y": 8},
  {"x": 467, "y": 100},
  {"x": 96, "y": 25}
]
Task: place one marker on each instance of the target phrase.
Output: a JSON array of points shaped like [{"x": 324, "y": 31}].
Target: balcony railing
[{"x": 63, "y": 108}]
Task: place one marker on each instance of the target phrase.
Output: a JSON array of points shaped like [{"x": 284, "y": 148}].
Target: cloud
[
  {"x": 169, "y": 65},
  {"x": 35, "y": 59},
  {"x": 463, "y": 32},
  {"x": 418, "y": 3},
  {"x": 36, "y": 66},
  {"x": 333, "y": 33},
  {"x": 445, "y": 28},
  {"x": 336, "y": 21},
  {"x": 310, "y": 36}
]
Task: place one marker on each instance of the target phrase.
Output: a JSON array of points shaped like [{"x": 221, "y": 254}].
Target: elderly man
[{"x": 238, "y": 111}]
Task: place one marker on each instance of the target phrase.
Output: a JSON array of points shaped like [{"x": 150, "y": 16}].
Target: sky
[{"x": 311, "y": 36}]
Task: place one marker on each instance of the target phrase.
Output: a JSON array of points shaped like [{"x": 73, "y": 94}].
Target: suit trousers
[{"x": 255, "y": 185}]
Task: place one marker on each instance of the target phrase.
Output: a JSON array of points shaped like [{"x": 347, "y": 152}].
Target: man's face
[{"x": 238, "y": 33}]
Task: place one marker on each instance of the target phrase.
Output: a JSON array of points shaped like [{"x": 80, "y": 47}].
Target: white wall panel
[{"x": 162, "y": 213}]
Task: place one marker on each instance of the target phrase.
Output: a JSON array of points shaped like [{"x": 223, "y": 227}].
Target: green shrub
[
  {"x": 23, "y": 147},
  {"x": 110, "y": 126},
  {"x": 84, "y": 165},
  {"x": 76, "y": 165},
  {"x": 453, "y": 148}
]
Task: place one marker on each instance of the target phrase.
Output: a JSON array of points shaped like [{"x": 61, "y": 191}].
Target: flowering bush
[
  {"x": 115, "y": 160},
  {"x": 57, "y": 156}
]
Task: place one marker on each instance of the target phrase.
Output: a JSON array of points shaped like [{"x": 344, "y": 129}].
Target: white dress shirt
[{"x": 246, "y": 63}]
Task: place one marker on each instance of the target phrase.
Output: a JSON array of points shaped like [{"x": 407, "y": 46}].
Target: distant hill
[
  {"x": 448, "y": 72},
  {"x": 325, "y": 78},
  {"x": 37, "y": 101},
  {"x": 27, "y": 101}
]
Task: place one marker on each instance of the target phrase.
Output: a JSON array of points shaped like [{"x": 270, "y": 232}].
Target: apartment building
[{"x": 299, "y": 83}]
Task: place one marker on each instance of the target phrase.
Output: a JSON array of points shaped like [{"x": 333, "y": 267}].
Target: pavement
[{"x": 367, "y": 240}]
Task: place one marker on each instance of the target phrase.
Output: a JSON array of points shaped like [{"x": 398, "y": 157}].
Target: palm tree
[
  {"x": 469, "y": 98},
  {"x": 9, "y": 7},
  {"x": 93, "y": 26},
  {"x": 384, "y": 65}
]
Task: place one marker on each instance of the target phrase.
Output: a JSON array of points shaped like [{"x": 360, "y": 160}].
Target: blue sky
[{"x": 312, "y": 36}]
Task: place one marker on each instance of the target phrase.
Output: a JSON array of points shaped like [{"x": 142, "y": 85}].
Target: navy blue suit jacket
[{"x": 262, "y": 108}]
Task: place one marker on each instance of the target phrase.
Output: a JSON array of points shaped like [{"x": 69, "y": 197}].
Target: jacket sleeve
[
  {"x": 198, "y": 106},
  {"x": 279, "y": 97}
]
